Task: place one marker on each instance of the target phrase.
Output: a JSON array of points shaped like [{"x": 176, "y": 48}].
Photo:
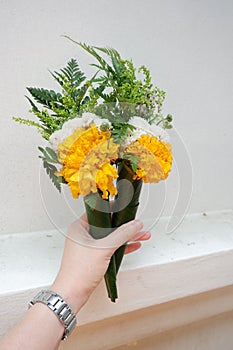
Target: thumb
[{"x": 127, "y": 232}]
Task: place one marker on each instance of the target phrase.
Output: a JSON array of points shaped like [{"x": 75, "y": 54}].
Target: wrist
[{"x": 75, "y": 297}]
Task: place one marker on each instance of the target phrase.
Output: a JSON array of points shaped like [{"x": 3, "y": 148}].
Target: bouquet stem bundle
[
  {"x": 99, "y": 218},
  {"x": 128, "y": 190},
  {"x": 102, "y": 222}
]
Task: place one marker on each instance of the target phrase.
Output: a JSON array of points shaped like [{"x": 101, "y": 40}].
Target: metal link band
[{"x": 59, "y": 307}]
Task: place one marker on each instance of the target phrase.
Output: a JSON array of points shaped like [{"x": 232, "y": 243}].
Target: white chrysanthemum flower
[
  {"x": 71, "y": 125},
  {"x": 160, "y": 133},
  {"x": 144, "y": 128},
  {"x": 139, "y": 123}
]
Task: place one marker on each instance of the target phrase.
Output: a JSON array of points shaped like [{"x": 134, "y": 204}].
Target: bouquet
[{"x": 106, "y": 136}]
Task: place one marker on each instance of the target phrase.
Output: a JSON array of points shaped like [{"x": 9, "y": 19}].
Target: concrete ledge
[
  {"x": 129, "y": 329},
  {"x": 197, "y": 258}
]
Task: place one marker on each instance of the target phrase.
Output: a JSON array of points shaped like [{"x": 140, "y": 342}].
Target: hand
[
  {"x": 84, "y": 263},
  {"x": 85, "y": 260}
]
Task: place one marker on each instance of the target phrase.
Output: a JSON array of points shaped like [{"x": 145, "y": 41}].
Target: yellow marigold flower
[
  {"x": 86, "y": 156},
  {"x": 155, "y": 158},
  {"x": 104, "y": 178}
]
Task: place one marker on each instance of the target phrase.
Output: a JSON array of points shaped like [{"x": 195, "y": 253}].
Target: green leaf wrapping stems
[{"x": 102, "y": 222}]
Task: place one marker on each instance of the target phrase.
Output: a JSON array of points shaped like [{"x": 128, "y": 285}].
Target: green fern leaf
[
  {"x": 115, "y": 58},
  {"x": 91, "y": 50},
  {"x": 117, "y": 66},
  {"x": 73, "y": 73},
  {"x": 50, "y": 170},
  {"x": 109, "y": 51},
  {"x": 80, "y": 93},
  {"x": 52, "y": 154},
  {"x": 58, "y": 77},
  {"x": 96, "y": 66},
  {"x": 45, "y": 97},
  {"x": 34, "y": 107},
  {"x": 48, "y": 155}
]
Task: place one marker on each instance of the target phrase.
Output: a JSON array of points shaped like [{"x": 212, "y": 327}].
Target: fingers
[
  {"x": 131, "y": 231},
  {"x": 127, "y": 232},
  {"x": 132, "y": 247},
  {"x": 144, "y": 236}
]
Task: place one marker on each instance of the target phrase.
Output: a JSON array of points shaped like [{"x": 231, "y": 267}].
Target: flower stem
[
  {"x": 126, "y": 203},
  {"x": 99, "y": 219}
]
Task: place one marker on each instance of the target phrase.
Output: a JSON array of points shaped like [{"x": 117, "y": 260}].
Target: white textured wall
[{"x": 186, "y": 44}]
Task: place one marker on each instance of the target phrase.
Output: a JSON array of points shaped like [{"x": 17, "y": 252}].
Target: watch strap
[{"x": 59, "y": 307}]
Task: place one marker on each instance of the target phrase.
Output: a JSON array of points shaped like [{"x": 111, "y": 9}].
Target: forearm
[{"x": 38, "y": 329}]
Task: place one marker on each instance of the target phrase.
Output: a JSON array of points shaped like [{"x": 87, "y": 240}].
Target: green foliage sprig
[
  {"x": 133, "y": 159},
  {"x": 121, "y": 131},
  {"x": 121, "y": 77},
  {"x": 115, "y": 82},
  {"x": 49, "y": 158},
  {"x": 58, "y": 107}
]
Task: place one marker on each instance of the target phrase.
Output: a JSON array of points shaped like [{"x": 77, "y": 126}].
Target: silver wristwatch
[{"x": 59, "y": 307}]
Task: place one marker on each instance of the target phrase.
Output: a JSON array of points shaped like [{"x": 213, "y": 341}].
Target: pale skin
[{"x": 39, "y": 328}]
